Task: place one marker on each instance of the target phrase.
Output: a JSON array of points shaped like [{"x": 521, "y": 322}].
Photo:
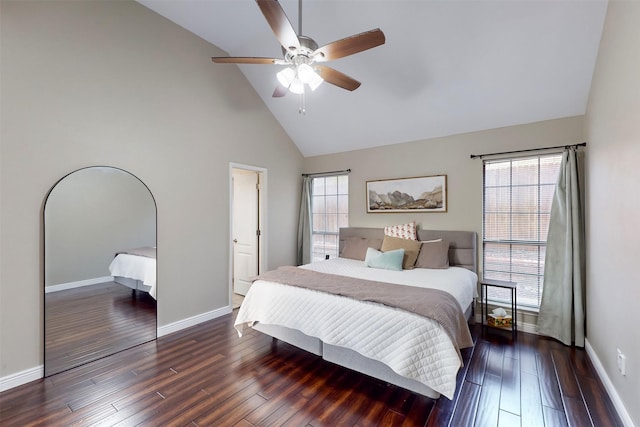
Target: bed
[
  {"x": 394, "y": 344},
  {"x": 136, "y": 269}
]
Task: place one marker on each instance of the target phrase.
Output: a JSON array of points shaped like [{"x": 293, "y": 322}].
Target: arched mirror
[{"x": 99, "y": 267}]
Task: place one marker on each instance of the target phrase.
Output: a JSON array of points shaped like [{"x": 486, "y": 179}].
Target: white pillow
[{"x": 431, "y": 241}]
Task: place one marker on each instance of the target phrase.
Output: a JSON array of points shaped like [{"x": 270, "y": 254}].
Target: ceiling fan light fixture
[
  {"x": 286, "y": 76},
  {"x": 315, "y": 81},
  {"x": 297, "y": 86},
  {"x": 295, "y": 78},
  {"x": 306, "y": 73}
]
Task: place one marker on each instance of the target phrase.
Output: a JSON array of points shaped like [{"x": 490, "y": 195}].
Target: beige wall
[
  {"x": 613, "y": 201},
  {"x": 111, "y": 83}
]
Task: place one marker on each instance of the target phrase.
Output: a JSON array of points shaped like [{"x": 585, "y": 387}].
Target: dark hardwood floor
[
  {"x": 91, "y": 322},
  {"x": 207, "y": 376}
]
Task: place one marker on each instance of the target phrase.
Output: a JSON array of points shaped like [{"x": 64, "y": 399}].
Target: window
[
  {"x": 516, "y": 209},
  {"x": 330, "y": 211}
]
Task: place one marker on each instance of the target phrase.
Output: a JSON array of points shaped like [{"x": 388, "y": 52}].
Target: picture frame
[{"x": 403, "y": 195}]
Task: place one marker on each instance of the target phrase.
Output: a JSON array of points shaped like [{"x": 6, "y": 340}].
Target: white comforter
[
  {"x": 413, "y": 346},
  {"x": 137, "y": 268}
]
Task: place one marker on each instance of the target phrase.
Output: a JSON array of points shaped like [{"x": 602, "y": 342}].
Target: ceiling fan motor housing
[{"x": 304, "y": 54}]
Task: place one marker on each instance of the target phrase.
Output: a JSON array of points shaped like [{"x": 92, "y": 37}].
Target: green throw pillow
[{"x": 391, "y": 260}]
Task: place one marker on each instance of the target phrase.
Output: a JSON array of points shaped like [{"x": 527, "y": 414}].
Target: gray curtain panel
[
  {"x": 562, "y": 309},
  {"x": 304, "y": 223}
]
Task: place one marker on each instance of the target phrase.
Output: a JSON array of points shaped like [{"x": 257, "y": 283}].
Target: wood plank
[
  {"x": 548, "y": 381},
  {"x": 528, "y": 351},
  {"x": 382, "y": 391},
  {"x": 489, "y": 402},
  {"x": 390, "y": 418},
  {"x": 419, "y": 411},
  {"x": 348, "y": 405},
  {"x": 495, "y": 360},
  {"x": 531, "y": 411},
  {"x": 566, "y": 377},
  {"x": 554, "y": 417},
  {"x": 510, "y": 390},
  {"x": 317, "y": 399},
  {"x": 467, "y": 406},
  {"x": 293, "y": 386},
  {"x": 576, "y": 412},
  {"x": 507, "y": 419},
  {"x": 478, "y": 364},
  {"x": 438, "y": 417}
]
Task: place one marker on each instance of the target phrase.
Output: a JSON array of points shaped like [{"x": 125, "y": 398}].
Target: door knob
[{"x": 235, "y": 240}]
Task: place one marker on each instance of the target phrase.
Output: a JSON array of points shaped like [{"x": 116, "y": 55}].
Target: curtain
[
  {"x": 562, "y": 308},
  {"x": 304, "y": 223}
]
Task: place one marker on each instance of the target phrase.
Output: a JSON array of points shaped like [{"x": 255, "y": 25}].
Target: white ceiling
[{"x": 447, "y": 66}]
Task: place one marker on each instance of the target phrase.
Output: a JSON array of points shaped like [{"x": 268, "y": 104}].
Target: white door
[{"x": 245, "y": 229}]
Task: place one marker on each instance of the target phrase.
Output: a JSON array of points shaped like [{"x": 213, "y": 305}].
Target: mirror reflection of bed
[{"x": 99, "y": 267}]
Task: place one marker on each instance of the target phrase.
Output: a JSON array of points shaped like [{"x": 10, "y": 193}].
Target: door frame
[{"x": 262, "y": 220}]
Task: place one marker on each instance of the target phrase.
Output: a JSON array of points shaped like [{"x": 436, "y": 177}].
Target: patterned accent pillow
[{"x": 404, "y": 231}]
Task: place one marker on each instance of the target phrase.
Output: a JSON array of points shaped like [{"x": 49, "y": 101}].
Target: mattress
[
  {"x": 412, "y": 346},
  {"x": 135, "y": 267}
]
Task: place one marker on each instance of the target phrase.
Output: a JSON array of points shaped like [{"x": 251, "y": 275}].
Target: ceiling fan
[{"x": 303, "y": 56}]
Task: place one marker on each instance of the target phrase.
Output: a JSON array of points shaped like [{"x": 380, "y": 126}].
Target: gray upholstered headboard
[{"x": 462, "y": 244}]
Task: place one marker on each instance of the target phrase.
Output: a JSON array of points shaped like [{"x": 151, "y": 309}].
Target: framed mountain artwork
[{"x": 418, "y": 194}]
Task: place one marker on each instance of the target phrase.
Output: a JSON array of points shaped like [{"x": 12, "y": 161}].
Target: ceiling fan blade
[
  {"x": 280, "y": 91},
  {"x": 349, "y": 45},
  {"x": 279, "y": 23},
  {"x": 337, "y": 78},
  {"x": 244, "y": 60}
]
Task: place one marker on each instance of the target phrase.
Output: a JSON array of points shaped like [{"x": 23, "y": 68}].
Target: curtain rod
[
  {"x": 327, "y": 173},
  {"x": 479, "y": 156}
]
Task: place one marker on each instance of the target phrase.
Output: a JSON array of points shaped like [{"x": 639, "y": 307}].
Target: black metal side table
[{"x": 484, "y": 284}]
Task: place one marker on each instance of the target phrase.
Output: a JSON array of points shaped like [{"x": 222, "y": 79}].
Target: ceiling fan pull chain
[{"x": 301, "y": 109}]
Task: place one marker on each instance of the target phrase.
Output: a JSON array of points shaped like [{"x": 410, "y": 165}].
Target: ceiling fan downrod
[
  {"x": 299, "y": 17},
  {"x": 302, "y": 110}
]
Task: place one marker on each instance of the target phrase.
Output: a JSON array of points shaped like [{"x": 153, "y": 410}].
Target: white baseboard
[
  {"x": 36, "y": 373},
  {"x": 192, "y": 321},
  {"x": 22, "y": 377},
  {"x": 608, "y": 385},
  {"x": 78, "y": 284}
]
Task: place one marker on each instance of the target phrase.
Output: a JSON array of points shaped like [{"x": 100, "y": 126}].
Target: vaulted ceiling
[{"x": 447, "y": 67}]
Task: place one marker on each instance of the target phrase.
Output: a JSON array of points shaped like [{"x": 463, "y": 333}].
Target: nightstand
[{"x": 484, "y": 284}]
